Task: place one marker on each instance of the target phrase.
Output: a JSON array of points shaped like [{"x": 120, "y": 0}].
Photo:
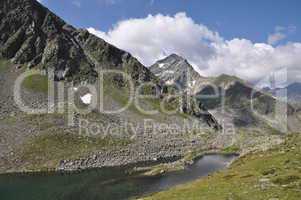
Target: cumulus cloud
[{"x": 155, "y": 37}]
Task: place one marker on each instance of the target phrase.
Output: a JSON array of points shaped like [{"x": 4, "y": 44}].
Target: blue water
[{"x": 102, "y": 184}]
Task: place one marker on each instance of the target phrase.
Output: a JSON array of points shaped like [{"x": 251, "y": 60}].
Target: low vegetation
[
  {"x": 48, "y": 149},
  {"x": 231, "y": 149},
  {"x": 271, "y": 175},
  {"x": 4, "y": 64},
  {"x": 36, "y": 83},
  {"x": 120, "y": 93}
]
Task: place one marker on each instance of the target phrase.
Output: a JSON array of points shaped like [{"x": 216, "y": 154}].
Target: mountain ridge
[
  {"x": 290, "y": 93},
  {"x": 32, "y": 34}
]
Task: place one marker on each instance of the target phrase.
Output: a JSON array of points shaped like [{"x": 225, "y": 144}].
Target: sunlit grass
[{"x": 275, "y": 174}]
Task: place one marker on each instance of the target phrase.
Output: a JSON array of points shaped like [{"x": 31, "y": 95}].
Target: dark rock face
[{"x": 31, "y": 34}]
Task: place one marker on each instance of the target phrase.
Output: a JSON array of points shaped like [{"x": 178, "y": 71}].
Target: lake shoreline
[
  {"x": 183, "y": 161},
  {"x": 108, "y": 182}
]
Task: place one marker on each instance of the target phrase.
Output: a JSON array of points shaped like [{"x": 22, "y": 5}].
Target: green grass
[
  {"x": 4, "y": 65},
  {"x": 225, "y": 79},
  {"x": 36, "y": 83},
  {"x": 274, "y": 174},
  {"x": 47, "y": 150},
  {"x": 41, "y": 121},
  {"x": 231, "y": 149},
  {"x": 121, "y": 94}
]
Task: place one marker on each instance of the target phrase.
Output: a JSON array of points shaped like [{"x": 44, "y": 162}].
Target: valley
[{"x": 78, "y": 110}]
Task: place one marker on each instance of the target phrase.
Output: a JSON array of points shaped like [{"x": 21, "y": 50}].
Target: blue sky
[
  {"x": 250, "y": 39},
  {"x": 251, "y": 19}
]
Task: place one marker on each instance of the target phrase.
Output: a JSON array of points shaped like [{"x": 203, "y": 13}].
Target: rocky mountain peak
[
  {"x": 175, "y": 69},
  {"x": 174, "y": 61},
  {"x": 173, "y": 57}
]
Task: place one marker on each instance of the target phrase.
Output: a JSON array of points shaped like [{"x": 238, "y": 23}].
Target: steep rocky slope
[
  {"x": 174, "y": 69},
  {"x": 31, "y": 34}
]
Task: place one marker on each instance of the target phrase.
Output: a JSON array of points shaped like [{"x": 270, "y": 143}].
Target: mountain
[
  {"x": 226, "y": 80},
  {"x": 33, "y": 39},
  {"x": 32, "y": 35},
  {"x": 237, "y": 103},
  {"x": 228, "y": 98},
  {"x": 175, "y": 69},
  {"x": 292, "y": 92}
]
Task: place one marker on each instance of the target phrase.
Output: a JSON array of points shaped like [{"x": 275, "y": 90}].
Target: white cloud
[
  {"x": 255, "y": 61},
  {"x": 155, "y": 37}
]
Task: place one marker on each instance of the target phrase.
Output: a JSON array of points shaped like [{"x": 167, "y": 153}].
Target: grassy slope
[
  {"x": 36, "y": 83},
  {"x": 4, "y": 64},
  {"x": 275, "y": 174},
  {"x": 121, "y": 95},
  {"x": 53, "y": 143},
  {"x": 46, "y": 151},
  {"x": 50, "y": 143}
]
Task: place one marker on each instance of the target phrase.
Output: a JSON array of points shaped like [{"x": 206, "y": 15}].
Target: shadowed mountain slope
[{"x": 32, "y": 34}]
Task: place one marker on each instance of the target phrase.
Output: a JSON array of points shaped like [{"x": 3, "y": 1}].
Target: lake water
[{"x": 107, "y": 183}]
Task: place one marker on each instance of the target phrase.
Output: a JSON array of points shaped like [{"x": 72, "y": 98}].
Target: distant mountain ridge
[
  {"x": 293, "y": 92},
  {"x": 236, "y": 97}
]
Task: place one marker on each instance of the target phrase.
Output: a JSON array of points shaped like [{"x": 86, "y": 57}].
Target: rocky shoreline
[
  {"x": 171, "y": 156},
  {"x": 164, "y": 154},
  {"x": 145, "y": 150}
]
